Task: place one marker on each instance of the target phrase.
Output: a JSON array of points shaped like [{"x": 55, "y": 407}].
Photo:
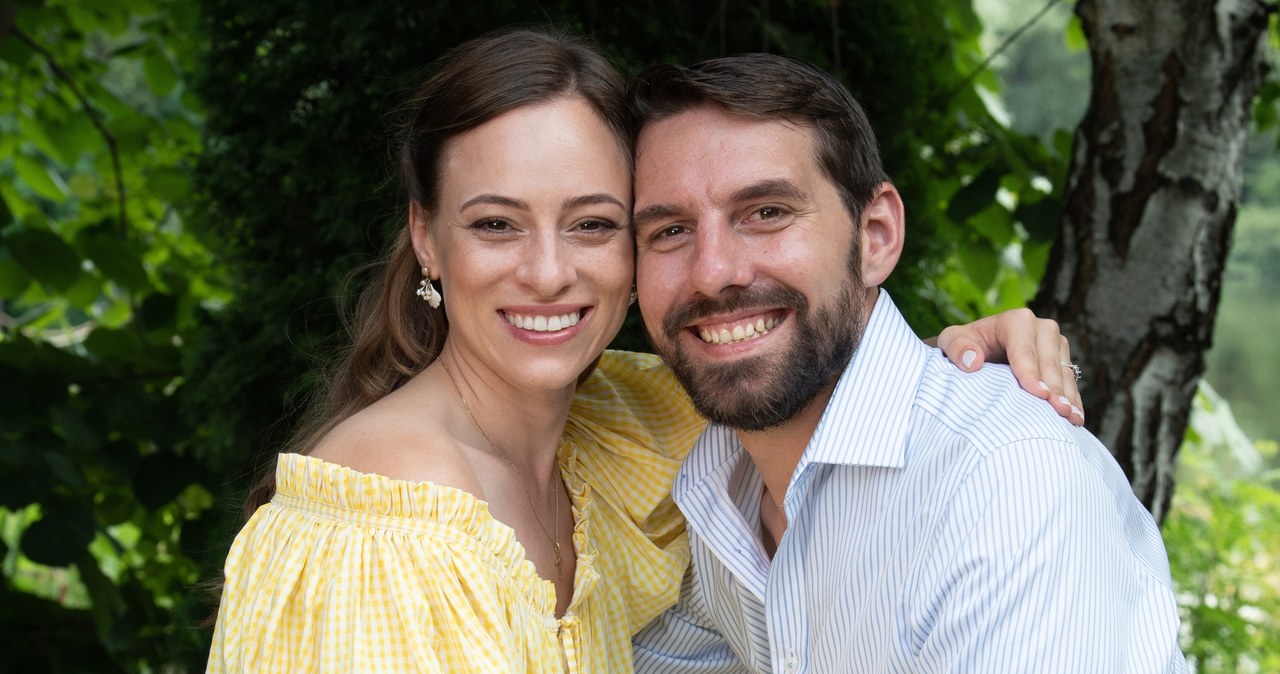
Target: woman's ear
[
  {"x": 419, "y": 232},
  {"x": 883, "y": 227}
]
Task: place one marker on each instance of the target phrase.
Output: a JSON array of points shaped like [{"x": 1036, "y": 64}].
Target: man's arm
[{"x": 678, "y": 642}]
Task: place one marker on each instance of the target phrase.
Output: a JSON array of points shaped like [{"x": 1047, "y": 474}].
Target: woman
[{"x": 487, "y": 492}]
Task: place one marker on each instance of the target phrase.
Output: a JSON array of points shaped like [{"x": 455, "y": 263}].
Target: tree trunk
[{"x": 1135, "y": 274}]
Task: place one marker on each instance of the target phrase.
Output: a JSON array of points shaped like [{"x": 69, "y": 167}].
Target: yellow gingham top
[{"x": 352, "y": 572}]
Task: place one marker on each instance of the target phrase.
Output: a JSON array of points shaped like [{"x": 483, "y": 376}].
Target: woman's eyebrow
[{"x": 590, "y": 200}]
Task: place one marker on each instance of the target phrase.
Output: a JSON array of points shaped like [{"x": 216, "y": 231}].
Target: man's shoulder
[
  {"x": 982, "y": 426},
  {"x": 989, "y": 408}
]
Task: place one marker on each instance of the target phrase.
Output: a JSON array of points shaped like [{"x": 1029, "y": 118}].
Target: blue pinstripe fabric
[{"x": 937, "y": 522}]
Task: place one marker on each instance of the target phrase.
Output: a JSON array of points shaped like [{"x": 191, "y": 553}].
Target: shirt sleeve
[
  {"x": 682, "y": 641},
  {"x": 1047, "y": 564}
]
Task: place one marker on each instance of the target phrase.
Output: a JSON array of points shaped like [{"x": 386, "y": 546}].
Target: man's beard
[{"x": 757, "y": 393}]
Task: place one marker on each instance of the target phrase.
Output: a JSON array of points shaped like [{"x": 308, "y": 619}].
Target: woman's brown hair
[{"x": 394, "y": 334}]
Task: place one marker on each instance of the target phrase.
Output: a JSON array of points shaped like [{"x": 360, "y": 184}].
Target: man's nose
[{"x": 721, "y": 260}]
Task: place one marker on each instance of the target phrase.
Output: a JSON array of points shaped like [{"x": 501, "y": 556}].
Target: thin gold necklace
[{"x": 555, "y": 540}]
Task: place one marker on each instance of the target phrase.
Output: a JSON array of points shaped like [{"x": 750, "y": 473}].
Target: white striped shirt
[{"x": 937, "y": 522}]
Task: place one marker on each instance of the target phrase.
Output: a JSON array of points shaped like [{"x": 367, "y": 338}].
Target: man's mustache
[{"x": 751, "y": 297}]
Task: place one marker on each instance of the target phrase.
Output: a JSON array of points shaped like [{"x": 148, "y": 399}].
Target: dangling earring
[{"x": 427, "y": 291}]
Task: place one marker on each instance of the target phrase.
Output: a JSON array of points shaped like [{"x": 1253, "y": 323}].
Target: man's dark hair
[{"x": 773, "y": 87}]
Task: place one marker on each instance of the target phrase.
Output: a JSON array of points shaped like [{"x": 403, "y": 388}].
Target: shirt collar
[{"x": 866, "y": 420}]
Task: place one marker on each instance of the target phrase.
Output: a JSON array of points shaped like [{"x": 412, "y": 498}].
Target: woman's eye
[
  {"x": 491, "y": 225},
  {"x": 595, "y": 225}
]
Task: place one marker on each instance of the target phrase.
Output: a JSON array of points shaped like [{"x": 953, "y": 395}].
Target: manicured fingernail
[
  {"x": 1076, "y": 411},
  {"x": 1044, "y": 386},
  {"x": 1064, "y": 400},
  {"x": 968, "y": 358}
]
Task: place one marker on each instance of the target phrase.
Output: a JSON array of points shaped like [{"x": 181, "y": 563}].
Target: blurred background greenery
[{"x": 185, "y": 185}]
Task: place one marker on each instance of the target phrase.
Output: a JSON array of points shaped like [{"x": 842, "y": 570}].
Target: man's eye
[
  {"x": 669, "y": 231},
  {"x": 768, "y": 212}
]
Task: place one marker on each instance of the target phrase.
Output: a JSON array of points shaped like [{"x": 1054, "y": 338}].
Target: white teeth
[
  {"x": 542, "y": 323},
  {"x": 739, "y": 333}
]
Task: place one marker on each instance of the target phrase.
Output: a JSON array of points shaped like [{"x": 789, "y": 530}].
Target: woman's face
[{"x": 531, "y": 240}]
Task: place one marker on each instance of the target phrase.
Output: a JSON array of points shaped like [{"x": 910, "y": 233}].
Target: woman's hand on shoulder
[{"x": 1034, "y": 348}]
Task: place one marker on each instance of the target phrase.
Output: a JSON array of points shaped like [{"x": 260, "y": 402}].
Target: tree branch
[
  {"x": 122, "y": 210},
  {"x": 986, "y": 63},
  {"x": 94, "y": 116}
]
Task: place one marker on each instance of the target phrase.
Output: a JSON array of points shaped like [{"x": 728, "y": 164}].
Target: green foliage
[
  {"x": 103, "y": 514},
  {"x": 1223, "y": 544},
  {"x": 165, "y": 295}
]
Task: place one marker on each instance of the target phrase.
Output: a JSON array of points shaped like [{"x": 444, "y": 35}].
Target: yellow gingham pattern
[{"x": 351, "y": 572}]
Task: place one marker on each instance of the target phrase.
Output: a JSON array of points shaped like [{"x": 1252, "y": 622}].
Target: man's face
[{"x": 748, "y": 270}]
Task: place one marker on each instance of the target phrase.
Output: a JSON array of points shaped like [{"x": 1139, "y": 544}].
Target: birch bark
[{"x": 1135, "y": 275}]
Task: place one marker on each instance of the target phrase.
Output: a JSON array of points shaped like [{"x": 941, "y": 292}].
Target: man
[{"x": 858, "y": 505}]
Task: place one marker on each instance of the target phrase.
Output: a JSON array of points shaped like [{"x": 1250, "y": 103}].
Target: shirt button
[{"x": 791, "y": 661}]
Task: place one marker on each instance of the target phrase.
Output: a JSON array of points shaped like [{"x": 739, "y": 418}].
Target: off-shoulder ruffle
[
  {"x": 346, "y": 571},
  {"x": 630, "y": 427},
  {"x": 380, "y": 503}
]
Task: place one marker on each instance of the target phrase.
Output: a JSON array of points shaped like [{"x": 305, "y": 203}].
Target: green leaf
[
  {"x": 972, "y": 198},
  {"x": 39, "y": 178},
  {"x": 161, "y": 477},
  {"x": 995, "y": 224},
  {"x": 76, "y": 136},
  {"x": 113, "y": 506},
  {"x": 63, "y": 469},
  {"x": 160, "y": 312},
  {"x": 117, "y": 259},
  {"x": 84, "y": 186},
  {"x": 131, "y": 131},
  {"x": 1040, "y": 218},
  {"x": 45, "y": 256},
  {"x": 1062, "y": 141},
  {"x": 33, "y": 132},
  {"x": 60, "y": 537},
  {"x": 1075, "y": 38},
  {"x": 169, "y": 184},
  {"x": 159, "y": 72},
  {"x": 1035, "y": 257},
  {"x": 6, "y": 215},
  {"x": 980, "y": 261},
  {"x": 23, "y": 485},
  {"x": 70, "y": 425},
  {"x": 13, "y": 279},
  {"x": 83, "y": 19},
  {"x": 15, "y": 52},
  {"x": 113, "y": 347},
  {"x": 84, "y": 293},
  {"x": 107, "y": 604}
]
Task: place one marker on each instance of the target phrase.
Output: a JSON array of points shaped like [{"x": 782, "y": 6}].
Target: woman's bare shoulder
[{"x": 397, "y": 439}]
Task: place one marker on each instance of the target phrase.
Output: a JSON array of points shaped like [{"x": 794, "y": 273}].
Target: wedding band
[{"x": 1075, "y": 369}]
